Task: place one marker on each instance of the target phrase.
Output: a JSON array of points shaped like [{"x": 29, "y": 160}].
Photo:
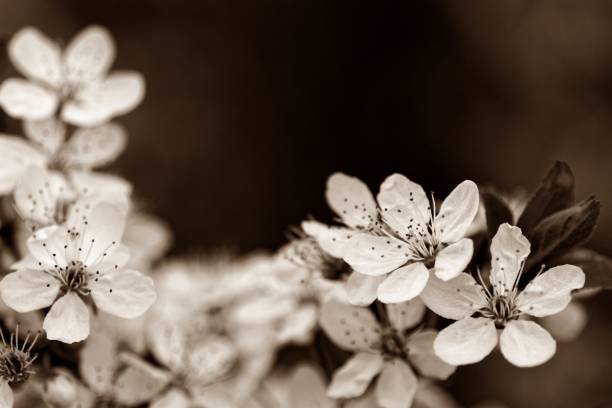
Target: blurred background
[{"x": 251, "y": 105}]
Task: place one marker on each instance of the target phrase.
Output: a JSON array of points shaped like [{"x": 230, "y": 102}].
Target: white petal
[
  {"x": 550, "y": 292},
  {"x": 167, "y": 343},
  {"x": 16, "y": 155},
  {"x": 95, "y": 146},
  {"x": 404, "y": 283},
  {"x": 457, "y": 212},
  {"x": 453, "y": 259},
  {"x": 455, "y": 299},
  {"x": 99, "y": 102},
  {"x": 406, "y": 315},
  {"x": 526, "y": 344},
  {"x": 36, "y": 56},
  {"x": 89, "y": 55},
  {"x": 350, "y": 327},
  {"x": 352, "y": 200},
  {"x": 211, "y": 359},
  {"x": 466, "y": 341},
  {"x": 396, "y": 385},
  {"x": 173, "y": 398},
  {"x": 139, "y": 382},
  {"x": 353, "y": 378},
  {"x": 68, "y": 319},
  {"x": 49, "y": 133},
  {"x": 299, "y": 327},
  {"x": 47, "y": 245},
  {"x": 27, "y": 290},
  {"x": 509, "y": 248},
  {"x": 421, "y": 353},
  {"x": 405, "y": 206},
  {"x": 102, "y": 232},
  {"x": 6, "y": 395},
  {"x": 91, "y": 183},
  {"x": 148, "y": 238},
  {"x": 26, "y": 100},
  {"x": 37, "y": 195},
  {"x": 361, "y": 290},
  {"x": 375, "y": 255},
  {"x": 568, "y": 324},
  {"x": 124, "y": 293},
  {"x": 331, "y": 239},
  {"x": 98, "y": 361},
  {"x": 307, "y": 389}
]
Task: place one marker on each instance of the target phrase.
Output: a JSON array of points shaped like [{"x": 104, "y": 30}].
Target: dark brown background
[{"x": 251, "y": 104}]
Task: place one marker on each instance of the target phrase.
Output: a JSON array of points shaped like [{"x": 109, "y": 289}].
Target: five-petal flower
[{"x": 498, "y": 308}]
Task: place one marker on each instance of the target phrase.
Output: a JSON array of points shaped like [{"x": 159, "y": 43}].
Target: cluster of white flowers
[{"x": 346, "y": 315}]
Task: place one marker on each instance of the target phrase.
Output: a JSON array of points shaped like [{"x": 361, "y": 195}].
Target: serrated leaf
[
  {"x": 596, "y": 267},
  {"x": 555, "y": 193},
  {"x": 562, "y": 231},
  {"x": 496, "y": 211}
]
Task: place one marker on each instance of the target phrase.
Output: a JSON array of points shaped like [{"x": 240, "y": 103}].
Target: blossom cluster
[{"x": 372, "y": 310}]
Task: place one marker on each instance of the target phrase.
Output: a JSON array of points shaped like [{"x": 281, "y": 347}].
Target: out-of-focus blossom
[
  {"x": 303, "y": 387},
  {"x": 67, "y": 264},
  {"x": 523, "y": 343},
  {"x": 402, "y": 236},
  {"x": 148, "y": 238},
  {"x": 215, "y": 328},
  {"x": 383, "y": 351},
  {"x": 61, "y": 389},
  {"x": 75, "y": 79},
  {"x": 568, "y": 324}
]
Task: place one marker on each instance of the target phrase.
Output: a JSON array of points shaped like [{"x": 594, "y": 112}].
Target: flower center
[
  {"x": 15, "y": 360},
  {"x": 392, "y": 345},
  {"x": 501, "y": 309},
  {"x": 74, "y": 277}
]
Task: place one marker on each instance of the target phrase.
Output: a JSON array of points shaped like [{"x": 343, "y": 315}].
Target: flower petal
[
  {"x": 139, "y": 382},
  {"x": 16, "y": 155},
  {"x": 68, "y": 319},
  {"x": 102, "y": 231},
  {"x": 375, "y": 255},
  {"x": 466, "y": 341},
  {"x": 406, "y": 315},
  {"x": 167, "y": 343},
  {"x": 421, "y": 353},
  {"x": 404, "y": 283},
  {"x": 509, "y": 248},
  {"x": 361, "y": 290},
  {"x": 48, "y": 133},
  {"x": 550, "y": 292},
  {"x": 48, "y": 246},
  {"x": 396, "y": 385},
  {"x": 124, "y": 293},
  {"x": 99, "y": 102},
  {"x": 307, "y": 389},
  {"x": 455, "y": 299},
  {"x": 6, "y": 395},
  {"x": 352, "y": 200},
  {"x": 36, "y": 56},
  {"x": 353, "y": 378},
  {"x": 98, "y": 361},
  {"x": 350, "y": 327},
  {"x": 526, "y": 344},
  {"x": 331, "y": 239},
  {"x": 26, "y": 100},
  {"x": 457, "y": 212},
  {"x": 405, "y": 206},
  {"x": 95, "y": 146},
  {"x": 568, "y": 324},
  {"x": 453, "y": 259},
  {"x": 37, "y": 195},
  {"x": 89, "y": 55},
  {"x": 173, "y": 398},
  {"x": 27, "y": 290}
]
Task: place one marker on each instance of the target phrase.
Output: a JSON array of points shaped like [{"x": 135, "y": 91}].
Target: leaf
[
  {"x": 496, "y": 211},
  {"x": 555, "y": 193},
  {"x": 596, "y": 267},
  {"x": 563, "y": 230}
]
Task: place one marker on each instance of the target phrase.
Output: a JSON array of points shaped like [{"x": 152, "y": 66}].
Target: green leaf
[
  {"x": 596, "y": 267},
  {"x": 496, "y": 211},
  {"x": 555, "y": 193},
  {"x": 562, "y": 231}
]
